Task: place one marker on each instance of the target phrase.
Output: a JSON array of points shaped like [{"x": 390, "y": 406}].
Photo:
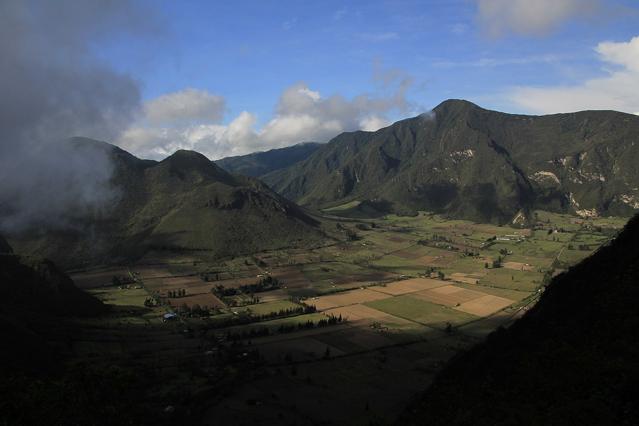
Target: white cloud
[
  {"x": 301, "y": 115},
  {"x": 530, "y": 17},
  {"x": 186, "y": 105},
  {"x": 372, "y": 123},
  {"x": 618, "y": 89},
  {"x": 488, "y": 62},
  {"x": 624, "y": 54}
]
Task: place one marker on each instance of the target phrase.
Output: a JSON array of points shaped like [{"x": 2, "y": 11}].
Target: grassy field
[{"x": 421, "y": 311}]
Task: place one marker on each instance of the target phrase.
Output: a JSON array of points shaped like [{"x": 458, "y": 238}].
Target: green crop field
[{"x": 421, "y": 311}]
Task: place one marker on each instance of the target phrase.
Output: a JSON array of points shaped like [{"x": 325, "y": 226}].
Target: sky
[{"x": 228, "y": 78}]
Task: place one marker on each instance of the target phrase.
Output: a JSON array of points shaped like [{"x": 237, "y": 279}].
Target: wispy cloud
[
  {"x": 289, "y": 24},
  {"x": 339, "y": 14},
  {"x": 617, "y": 89},
  {"x": 498, "y": 62},
  {"x": 459, "y": 29},
  {"x": 378, "y": 37}
]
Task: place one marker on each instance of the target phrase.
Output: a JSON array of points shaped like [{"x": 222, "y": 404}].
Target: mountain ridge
[
  {"x": 182, "y": 203},
  {"x": 257, "y": 164},
  {"x": 472, "y": 163}
]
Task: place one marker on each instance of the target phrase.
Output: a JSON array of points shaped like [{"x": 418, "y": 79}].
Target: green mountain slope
[
  {"x": 477, "y": 164},
  {"x": 572, "y": 359},
  {"x": 261, "y": 163},
  {"x": 183, "y": 203}
]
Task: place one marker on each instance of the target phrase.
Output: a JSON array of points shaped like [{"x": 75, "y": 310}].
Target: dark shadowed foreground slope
[
  {"x": 39, "y": 324},
  {"x": 477, "y": 164},
  {"x": 573, "y": 359},
  {"x": 261, "y": 163},
  {"x": 34, "y": 296},
  {"x": 184, "y": 203},
  {"x": 4, "y": 246}
]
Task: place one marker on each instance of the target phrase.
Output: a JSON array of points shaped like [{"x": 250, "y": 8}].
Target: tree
[
  {"x": 196, "y": 309},
  {"x": 327, "y": 353},
  {"x": 184, "y": 308},
  {"x": 440, "y": 275}
]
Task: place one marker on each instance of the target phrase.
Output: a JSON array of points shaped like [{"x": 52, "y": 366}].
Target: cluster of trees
[
  {"x": 264, "y": 284},
  {"x": 583, "y": 247},
  {"x": 244, "y": 302},
  {"x": 248, "y": 318},
  {"x": 497, "y": 263},
  {"x": 365, "y": 227},
  {"x": 352, "y": 235},
  {"x": 440, "y": 241},
  {"x": 430, "y": 270},
  {"x": 194, "y": 311},
  {"x": 489, "y": 241},
  {"x": 151, "y": 302},
  {"x": 283, "y": 328},
  {"x": 120, "y": 280},
  {"x": 441, "y": 238},
  {"x": 177, "y": 293},
  {"x": 210, "y": 276}
]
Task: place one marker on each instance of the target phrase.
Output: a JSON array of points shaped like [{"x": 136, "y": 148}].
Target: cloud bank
[
  {"x": 618, "y": 89},
  {"x": 52, "y": 88},
  {"x": 192, "y": 119}
]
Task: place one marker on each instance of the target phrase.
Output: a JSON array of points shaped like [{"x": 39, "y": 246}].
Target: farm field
[{"x": 400, "y": 295}]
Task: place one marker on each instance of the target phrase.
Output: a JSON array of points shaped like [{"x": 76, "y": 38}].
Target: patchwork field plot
[
  {"x": 408, "y": 286},
  {"x": 345, "y": 298},
  {"x": 448, "y": 295},
  {"x": 484, "y": 305},
  {"x": 466, "y": 278},
  {"x": 98, "y": 278},
  {"x": 355, "y": 339},
  {"x": 365, "y": 314},
  {"x": 422, "y": 311},
  {"x": 518, "y": 266}
]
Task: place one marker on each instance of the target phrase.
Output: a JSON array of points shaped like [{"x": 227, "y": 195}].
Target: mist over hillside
[
  {"x": 182, "y": 203},
  {"x": 55, "y": 87}
]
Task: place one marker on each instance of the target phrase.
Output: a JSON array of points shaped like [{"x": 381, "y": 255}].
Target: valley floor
[{"x": 346, "y": 333}]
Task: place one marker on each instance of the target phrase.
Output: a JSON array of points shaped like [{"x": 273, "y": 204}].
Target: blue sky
[{"x": 273, "y": 73}]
